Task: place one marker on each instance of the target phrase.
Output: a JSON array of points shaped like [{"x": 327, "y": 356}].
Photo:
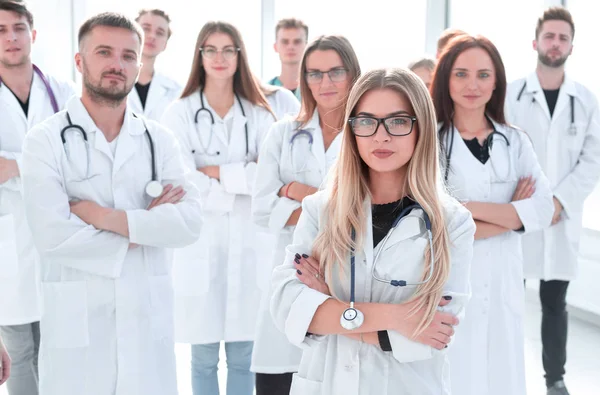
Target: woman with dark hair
[
  {"x": 220, "y": 121},
  {"x": 491, "y": 167}
]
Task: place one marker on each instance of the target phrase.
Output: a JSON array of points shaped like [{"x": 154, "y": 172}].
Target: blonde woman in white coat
[
  {"x": 492, "y": 168},
  {"x": 295, "y": 160},
  {"x": 220, "y": 120},
  {"x": 345, "y": 243}
]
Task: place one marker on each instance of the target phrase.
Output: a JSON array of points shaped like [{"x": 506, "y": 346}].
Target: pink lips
[{"x": 383, "y": 153}]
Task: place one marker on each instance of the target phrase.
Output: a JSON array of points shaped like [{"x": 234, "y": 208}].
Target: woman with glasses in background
[
  {"x": 220, "y": 121},
  {"x": 295, "y": 159}
]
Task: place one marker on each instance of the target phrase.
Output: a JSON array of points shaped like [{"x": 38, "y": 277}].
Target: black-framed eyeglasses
[
  {"x": 338, "y": 74},
  {"x": 395, "y": 125},
  {"x": 228, "y": 53}
]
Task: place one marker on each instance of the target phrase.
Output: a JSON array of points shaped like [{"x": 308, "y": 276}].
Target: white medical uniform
[
  {"x": 283, "y": 103},
  {"x": 219, "y": 280},
  {"x": 107, "y": 325},
  {"x": 571, "y": 163},
  {"x": 19, "y": 262},
  {"x": 338, "y": 365},
  {"x": 488, "y": 353},
  {"x": 273, "y": 353},
  {"x": 162, "y": 92}
]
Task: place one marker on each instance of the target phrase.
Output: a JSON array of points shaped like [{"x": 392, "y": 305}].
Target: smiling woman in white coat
[
  {"x": 27, "y": 97},
  {"x": 154, "y": 91},
  {"x": 106, "y": 194},
  {"x": 295, "y": 159},
  {"x": 491, "y": 167},
  {"x": 377, "y": 254},
  {"x": 221, "y": 121}
]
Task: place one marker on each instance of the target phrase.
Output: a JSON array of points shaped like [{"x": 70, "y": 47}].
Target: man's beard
[
  {"x": 549, "y": 62},
  {"x": 111, "y": 96}
]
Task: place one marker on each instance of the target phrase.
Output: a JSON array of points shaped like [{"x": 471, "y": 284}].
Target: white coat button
[{"x": 348, "y": 368}]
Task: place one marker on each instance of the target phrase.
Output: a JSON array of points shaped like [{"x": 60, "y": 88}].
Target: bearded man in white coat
[{"x": 106, "y": 194}]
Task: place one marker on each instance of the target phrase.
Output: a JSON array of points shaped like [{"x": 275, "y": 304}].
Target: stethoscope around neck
[
  {"x": 352, "y": 318},
  {"x": 153, "y": 188},
  {"x": 572, "y": 127},
  {"x": 212, "y": 123},
  {"x": 489, "y": 143}
]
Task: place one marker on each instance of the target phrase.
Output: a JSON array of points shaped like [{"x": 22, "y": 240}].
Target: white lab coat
[
  {"x": 107, "y": 325},
  {"x": 283, "y": 103},
  {"x": 488, "y": 353},
  {"x": 273, "y": 353},
  {"x": 218, "y": 282},
  {"x": 337, "y": 365},
  {"x": 571, "y": 163},
  {"x": 162, "y": 92},
  {"x": 19, "y": 263}
]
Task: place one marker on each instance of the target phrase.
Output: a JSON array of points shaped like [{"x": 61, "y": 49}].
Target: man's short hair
[
  {"x": 20, "y": 7},
  {"x": 426, "y": 63},
  {"x": 446, "y": 36},
  {"x": 157, "y": 12},
  {"x": 110, "y": 19},
  {"x": 555, "y": 14},
  {"x": 291, "y": 23}
]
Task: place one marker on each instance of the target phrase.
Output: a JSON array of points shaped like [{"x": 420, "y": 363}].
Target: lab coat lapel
[
  {"x": 238, "y": 132},
  {"x": 7, "y": 97},
  {"x": 134, "y": 102},
  {"x": 563, "y": 103},
  {"x": 156, "y": 92},
  {"x": 534, "y": 90},
  {"x": 368, "y": 242},
  {"x": 318, "y": 146},
  {"x": 126, "y": 144},
  {"x": 218, "y": 129},
  {"x": 39, "y": 99}
]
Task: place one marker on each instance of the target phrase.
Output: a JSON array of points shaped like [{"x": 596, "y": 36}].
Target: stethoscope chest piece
[
  {"x": 154, "y": 189},
  {"x": 352, "y": 319}
]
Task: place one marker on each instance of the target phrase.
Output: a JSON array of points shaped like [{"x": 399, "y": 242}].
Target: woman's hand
[
  {"x": 170, "y": 195},
  {"x": 525, "y": 189},
  {"x": 437, "y": 334},
  {"x": 4, "y": 364},
  {"x": 309, "y": 272}
]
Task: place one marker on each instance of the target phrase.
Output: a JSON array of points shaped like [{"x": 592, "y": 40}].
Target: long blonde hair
[
  {"x": 348, "y": 188},
  {"x": 342, "y": 46}
]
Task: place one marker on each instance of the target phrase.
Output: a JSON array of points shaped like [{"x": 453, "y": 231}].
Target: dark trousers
[
  {"x": 273, "y": 384},
  {"x": 553, "y": 295}
]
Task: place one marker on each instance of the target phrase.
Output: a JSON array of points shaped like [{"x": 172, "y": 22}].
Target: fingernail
[
  {"x": 448, "y": 297},
  {"x": 297, "y": 261},
  {"x": 299, "y": 272},
  {"x": 304, "y": 256},
  {"x": 297, "y": 256}
]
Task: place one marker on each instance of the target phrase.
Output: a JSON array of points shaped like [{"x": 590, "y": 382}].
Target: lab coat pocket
[
  {"x": 161, "y": 291},
  {"x": 9, "y": 265},
  {"x": 302, "y": 386},
  {"x": 64, "y": 323}
]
